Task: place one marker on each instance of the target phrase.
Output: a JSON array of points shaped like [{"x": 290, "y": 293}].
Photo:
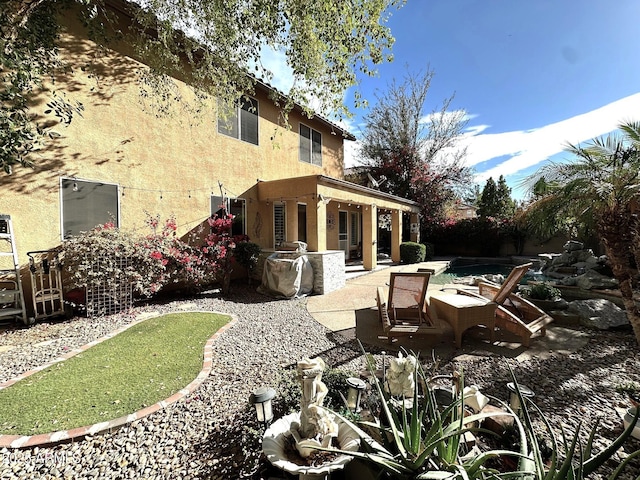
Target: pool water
[{"x": 482, "y": 269}]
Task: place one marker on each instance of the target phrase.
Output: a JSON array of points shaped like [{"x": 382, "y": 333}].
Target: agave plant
[
  {"x": 419, "y": 441},
  {"x": 416, "y": 440},
  {"x": 577, "y": 461}
]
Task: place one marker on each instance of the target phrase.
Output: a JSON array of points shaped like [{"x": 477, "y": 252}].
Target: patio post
[
  {"x": 370, "y": 237},
  {"x": 396, "y": 235},
  {"x": 292, "y": 220},
  {"x": 317, "y": 226}
]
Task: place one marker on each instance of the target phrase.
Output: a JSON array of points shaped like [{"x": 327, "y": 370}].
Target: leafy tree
[
  {"x": 487, "y": 205},
  {"x": 506, "y": 203},
  {"x": 416, "y": 152},
  {"x": 326, "y": 43},
  {"x": 598, "y": 188},
  {"x": 495, "y": 200}
]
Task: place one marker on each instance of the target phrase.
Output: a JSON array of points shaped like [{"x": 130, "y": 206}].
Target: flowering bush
[
  {"x": 219, "y": 247},
  {"x": 163, "y": 258},
  {"x": 109, "y": 256}
]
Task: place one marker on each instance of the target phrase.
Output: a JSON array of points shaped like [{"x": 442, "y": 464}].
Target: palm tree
[{"x": 598, "y": 189}]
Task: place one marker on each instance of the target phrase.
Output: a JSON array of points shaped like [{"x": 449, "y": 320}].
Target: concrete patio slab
[{"x": 352, "y": 311}]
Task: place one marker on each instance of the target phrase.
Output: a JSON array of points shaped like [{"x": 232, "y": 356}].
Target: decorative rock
[
  {"x": 584, "y": 255},
  {"x": 598, "y": 313},
  {"x": 592, "y": 279},
  {"x": 497, "y": 423},
  {"x": 563, "y": 259},
  {"x": 572, "y": 246},
  {"x": 568, "y": 281}
]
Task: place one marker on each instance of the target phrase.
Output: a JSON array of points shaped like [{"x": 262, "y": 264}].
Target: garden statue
[
  {"x": 307, "y": 433},
  {"x": 317, "y": 427},
  {"x": 400, "y": 376}
]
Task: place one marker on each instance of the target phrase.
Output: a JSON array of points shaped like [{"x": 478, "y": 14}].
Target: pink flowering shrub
[
  {"x": 219, "y": 247},
  {"x": 109, "y": 256}
]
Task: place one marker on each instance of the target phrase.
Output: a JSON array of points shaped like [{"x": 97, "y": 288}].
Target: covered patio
[{"x": 333, "y": 214}]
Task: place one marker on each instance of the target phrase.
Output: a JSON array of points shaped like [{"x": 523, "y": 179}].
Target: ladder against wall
[{"x": 12, "y": 305}]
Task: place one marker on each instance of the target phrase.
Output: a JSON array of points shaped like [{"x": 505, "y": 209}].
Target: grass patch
[{"x": 137, "y": 368}]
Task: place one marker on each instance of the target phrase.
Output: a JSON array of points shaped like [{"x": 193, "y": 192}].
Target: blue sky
[{"x": 531, "y": 74}]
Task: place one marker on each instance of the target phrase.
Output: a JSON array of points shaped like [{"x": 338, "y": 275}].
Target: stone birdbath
[{"x": 293, "y": 442}]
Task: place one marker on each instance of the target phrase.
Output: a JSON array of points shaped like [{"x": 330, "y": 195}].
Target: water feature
[{"x": 461, "y": 270}]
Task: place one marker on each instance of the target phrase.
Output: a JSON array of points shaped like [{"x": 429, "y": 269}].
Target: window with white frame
[
  {"x": 87, "y": 204},
  {"x": 279, "y": 224},
  {"x": 310, "y": 145},
  {"x": 241, "y": 121}
]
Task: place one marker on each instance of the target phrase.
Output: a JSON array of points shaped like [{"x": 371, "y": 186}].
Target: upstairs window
[
  {"x": 85, "y": 205},
  {"x": 310, "y": 145},
  {"x": 241, "y": 122}
]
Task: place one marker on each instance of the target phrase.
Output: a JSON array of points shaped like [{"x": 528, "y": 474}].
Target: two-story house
[{"x": 127, "y": 155}]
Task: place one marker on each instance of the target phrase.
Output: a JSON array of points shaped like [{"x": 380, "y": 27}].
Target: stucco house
[
  {"x": 463, "y": 210},
  {"x": 126, "y": 156}
]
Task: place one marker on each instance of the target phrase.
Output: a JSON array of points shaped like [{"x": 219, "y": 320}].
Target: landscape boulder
[
  {"x": 598, "y": 313},
  {"x": 572, "y": 246},
  {"x": 592, "y": 279}
]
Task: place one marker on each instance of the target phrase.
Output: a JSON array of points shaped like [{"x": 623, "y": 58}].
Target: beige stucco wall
[{"x": 166, "y": 164}]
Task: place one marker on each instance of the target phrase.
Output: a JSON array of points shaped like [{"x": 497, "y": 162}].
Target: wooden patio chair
[
  {"x": 518, "y": 315},
  {"x": 402, "y": 308},
  {"x": 493, "y": 306}
]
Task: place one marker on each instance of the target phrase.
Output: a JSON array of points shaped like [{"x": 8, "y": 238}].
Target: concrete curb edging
[{"x": 25, "y": 441}]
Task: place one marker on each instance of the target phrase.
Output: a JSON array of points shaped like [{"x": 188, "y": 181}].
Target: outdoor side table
[{"x": 463, "y": 312}]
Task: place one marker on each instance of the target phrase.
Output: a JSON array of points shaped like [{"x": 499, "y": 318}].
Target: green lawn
[{"x": 137, "y": 368}]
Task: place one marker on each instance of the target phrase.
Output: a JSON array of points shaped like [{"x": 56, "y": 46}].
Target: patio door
[{"x": 343, "y": 232}]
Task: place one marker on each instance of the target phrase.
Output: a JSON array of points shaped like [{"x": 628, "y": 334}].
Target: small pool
[{"x": 482, "y": 269}]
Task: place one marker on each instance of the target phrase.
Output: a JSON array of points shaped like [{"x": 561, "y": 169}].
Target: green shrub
[
  {"x": 289, "y": 392},
  {"x": 542, "y": 291},
  {"x": 430, "y": 251},
  {"x": 412, "y": 252},
  {"x": 247, "y": 254}
]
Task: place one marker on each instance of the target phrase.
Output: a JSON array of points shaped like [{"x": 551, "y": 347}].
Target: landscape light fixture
[
  {"x": 356, "y": 387},
  {"x": 514, "y": 400},
  {"x": 261, "y": 399}
]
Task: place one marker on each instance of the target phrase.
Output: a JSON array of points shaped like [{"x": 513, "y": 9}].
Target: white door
[{"x": 343, "y": 232}]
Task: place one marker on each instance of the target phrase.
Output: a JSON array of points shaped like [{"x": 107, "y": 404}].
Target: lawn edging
[{"x": 25, "y": 441}]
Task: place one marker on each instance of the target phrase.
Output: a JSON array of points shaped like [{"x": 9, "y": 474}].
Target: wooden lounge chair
[
  {"x": 494, "y": 306},
  {"x": 402, "y": 309},
  {"x": 517, "y": 315}
]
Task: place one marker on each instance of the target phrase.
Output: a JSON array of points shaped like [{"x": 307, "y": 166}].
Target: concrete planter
[
  {"x": 277, "y": 436},
  {"x": 628, "y": 418}
]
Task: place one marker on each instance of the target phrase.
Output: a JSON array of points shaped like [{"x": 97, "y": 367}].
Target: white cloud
[
  {"x": 451, "y": 115},
  {"x": 533, "y": 147},
  {"x": 276, "y": 62}
]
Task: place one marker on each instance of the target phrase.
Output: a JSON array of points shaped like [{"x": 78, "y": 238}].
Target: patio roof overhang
[{"x": 321, "y": 187}]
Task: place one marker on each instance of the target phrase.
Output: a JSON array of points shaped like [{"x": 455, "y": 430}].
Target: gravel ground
[{"x": 210, "y": 434}]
